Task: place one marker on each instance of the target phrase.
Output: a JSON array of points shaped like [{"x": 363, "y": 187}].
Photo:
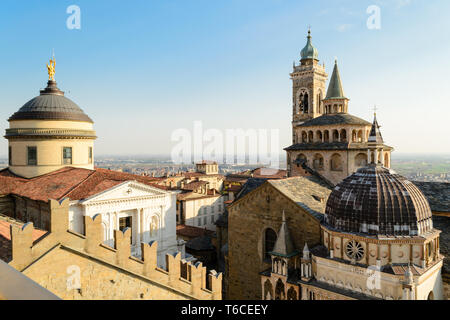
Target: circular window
[{"x": 355, "y": 250}]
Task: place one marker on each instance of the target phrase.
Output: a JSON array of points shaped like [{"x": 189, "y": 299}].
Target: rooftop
[
  {"x": 310, "y": 193},
  {"x": 68, "y": 182},
  {"x": 333, "y": 119},
  {"x": 5, "y": 236}
]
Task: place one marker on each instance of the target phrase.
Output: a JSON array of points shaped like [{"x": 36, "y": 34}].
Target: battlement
[{"x": 182, "y": 279}]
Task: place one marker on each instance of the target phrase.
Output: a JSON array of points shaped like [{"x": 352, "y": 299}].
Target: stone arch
[
  {"x": 430, "y": 296},
  {"x": 343, "y": 135},
  {"x": 354, "y": 136},
  {"x": 319, "y": 136},
  {"x": 360, "y": 136},
  {"x": 303, "y": 101},
  {"x": 336, "y": 162},
  {"x": 279, "y": 290},
  {"x": 301, "y": 158},
  {"x": 361, "y": 160},
  {"x": 292, "y": 294},
  {"x": 268, "y": 290},
  {"x": 335, "y": 135},
  {"x": 318, "y": 162},
  {"x": 270, "y": 237},
  {"x": 326, "y": 136},
  {"x": 304, "y": 137},
  {"x": 310, "y": 136}
]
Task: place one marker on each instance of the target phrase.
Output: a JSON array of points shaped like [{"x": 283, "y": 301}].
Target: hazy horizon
[{"x": 143, "y": 71}]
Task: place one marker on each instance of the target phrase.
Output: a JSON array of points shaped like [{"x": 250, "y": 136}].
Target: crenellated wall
[{"x": 80, "y": 266}]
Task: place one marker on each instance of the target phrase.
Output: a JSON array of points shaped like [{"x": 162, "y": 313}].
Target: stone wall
[
  {"x": 102, "y": 272},
  {"x": 249, "y": 218}
]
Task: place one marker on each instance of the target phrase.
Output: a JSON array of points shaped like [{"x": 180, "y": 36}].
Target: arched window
[
  {"x": 306, "y": 103},
  {"x": 279, "y": 290},
  {"x": 268, "y": 290},
  {"x": 360, "y": 136},
  {"x": 354, "y": 136},
  {"x": 335, "y": 136},
  {"x": 310, "y": 137},
  {"x": 301, "y": 158},
  {"x": 335, "y": 108},
  {"x": 291, "y": 294},
  {"x": 304, "y": 137},
  {"x": 326, "y": 136},
  {"x": 319, "y": 136},
  {"x": 270, "y": 237},
  {"x": 318, "y": 161},
  {"x": 336, "y": 162},
  {"x": 361, "y": 160},
  {"x": 343, "y": 135}
]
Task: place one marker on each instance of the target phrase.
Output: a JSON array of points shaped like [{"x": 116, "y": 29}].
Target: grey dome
[
  {"x": 377, "y": 201},
  {"x": 51, "y": 104}
]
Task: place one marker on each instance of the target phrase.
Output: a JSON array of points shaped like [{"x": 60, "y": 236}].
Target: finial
[
  {"x": 309, "y": 31},
  {"x": 51, "y": 68},
  {"x": 335, "y": 60},
  {"x": 375, "y": 110}
]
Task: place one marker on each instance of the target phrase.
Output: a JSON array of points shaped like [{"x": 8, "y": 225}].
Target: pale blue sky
[{"x": 142, "y": 69}]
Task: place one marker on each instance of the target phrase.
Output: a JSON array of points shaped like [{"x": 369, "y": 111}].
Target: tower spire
[
  {"x": 335, "y": 90},
  {"x": 375, "y": 133}
]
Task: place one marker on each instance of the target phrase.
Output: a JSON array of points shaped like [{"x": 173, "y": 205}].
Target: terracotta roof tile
[
  {"x": 5, "y": 236},
  {"x": 74, "y": 183},
  {"x": 191, "y": 231}
]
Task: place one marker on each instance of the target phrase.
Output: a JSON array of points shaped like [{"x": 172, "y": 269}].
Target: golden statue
[{"x": 51, "y": 69}]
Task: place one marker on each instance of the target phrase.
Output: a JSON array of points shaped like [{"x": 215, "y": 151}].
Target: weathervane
[{"x": 51, "y": 68}]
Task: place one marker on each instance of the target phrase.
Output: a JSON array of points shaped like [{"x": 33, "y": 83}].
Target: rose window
[{"x": 355, "y": 250}]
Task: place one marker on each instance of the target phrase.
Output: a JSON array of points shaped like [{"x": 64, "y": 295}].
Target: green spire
[
  {"x": 335, "y": 90},
  {"x": 309, "y": 52}
]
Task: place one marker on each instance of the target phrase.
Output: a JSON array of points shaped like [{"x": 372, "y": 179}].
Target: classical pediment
[{"x": 124, "y": 191}]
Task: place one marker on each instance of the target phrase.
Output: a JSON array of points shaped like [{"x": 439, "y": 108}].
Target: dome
[
  {"x": 51, "y": 104},
  {"x": 377, "y": 201},
  {"x": 309, "y": 51}
]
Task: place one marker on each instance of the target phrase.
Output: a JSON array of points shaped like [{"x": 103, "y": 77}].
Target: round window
[{"x": 354, "y": 250}]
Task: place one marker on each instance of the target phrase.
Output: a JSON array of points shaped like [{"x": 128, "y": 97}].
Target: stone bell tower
[{"x": 308, "y": 86}]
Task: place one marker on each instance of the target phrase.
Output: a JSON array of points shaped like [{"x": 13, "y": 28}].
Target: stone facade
[
  {"x": 80, "y": 266},
  {"x": 261, "y": 209}
]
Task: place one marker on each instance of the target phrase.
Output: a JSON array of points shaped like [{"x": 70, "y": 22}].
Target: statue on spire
[{"x": 51, "y": 69}]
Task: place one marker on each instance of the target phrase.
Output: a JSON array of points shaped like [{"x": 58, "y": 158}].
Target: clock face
[{"x": 354, "y": 250}]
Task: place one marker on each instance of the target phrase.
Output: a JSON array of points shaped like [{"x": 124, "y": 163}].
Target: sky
[{"x": 142, "y": 69}]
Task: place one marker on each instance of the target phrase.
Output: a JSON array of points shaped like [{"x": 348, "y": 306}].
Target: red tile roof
[
  {"x": 5, "y": 236},
  {"x": 191, "y": 232},
  {"x": 68, "y": 182}
]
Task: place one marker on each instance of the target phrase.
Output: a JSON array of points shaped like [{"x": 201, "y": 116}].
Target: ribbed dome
[
  {"x": 377, "y": 201},
  {"x": 51, "y": 104},
  {"x": 309, "y": 51}
]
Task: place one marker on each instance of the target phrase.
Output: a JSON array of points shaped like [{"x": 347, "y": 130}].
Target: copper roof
[
  {"x": 51, "y": 104},
  {"x": 377, "y": 201}
]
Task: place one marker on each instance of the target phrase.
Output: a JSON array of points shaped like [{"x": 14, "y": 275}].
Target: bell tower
[{"x": 308, "y": 86}]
